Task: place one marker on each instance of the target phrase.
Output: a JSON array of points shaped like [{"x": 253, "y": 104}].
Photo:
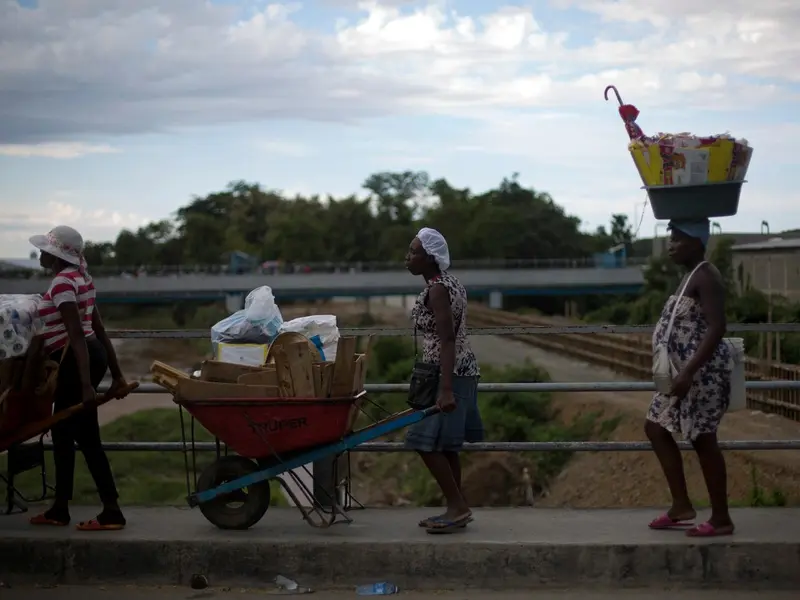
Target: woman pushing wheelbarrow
[{"x": 75, "y": 338}]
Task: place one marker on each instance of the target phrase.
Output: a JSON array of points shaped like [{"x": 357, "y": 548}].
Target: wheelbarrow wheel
[{"x": 240, "y": 509}]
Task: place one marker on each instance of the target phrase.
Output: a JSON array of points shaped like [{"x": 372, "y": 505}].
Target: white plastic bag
[
  {"x": 19, "y": 323},
  {"x": 738, "y": 398},
  {"x": 320, "y": 329},
  {"x": 258, "y": 323},
  {"x": 663, "y": 369},
  {"x": 260, "y": 308}
]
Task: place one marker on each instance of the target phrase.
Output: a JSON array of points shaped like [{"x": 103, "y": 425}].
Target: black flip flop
[{"x": 444, "y": 526}]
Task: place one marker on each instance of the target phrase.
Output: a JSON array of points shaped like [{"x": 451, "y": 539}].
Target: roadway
[
  {"x": 258, "y": 593},
  {"x": 554, "y": 282}
]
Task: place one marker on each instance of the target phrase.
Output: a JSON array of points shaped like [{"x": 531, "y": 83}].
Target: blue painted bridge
[{"x": 309, "y": 286}]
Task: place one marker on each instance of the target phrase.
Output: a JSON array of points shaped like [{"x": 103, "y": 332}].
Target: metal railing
[
  {"x": 203, "y": 334},
  {"x": 572, "y": 446},
  {"x": 336, "y": 267},
  {"x": 629, "y": 350}
]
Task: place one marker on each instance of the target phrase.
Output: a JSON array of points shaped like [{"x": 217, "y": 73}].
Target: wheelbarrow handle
[
  {"x": 121, "y": 393},
  {"x": 430, "y": 411}
]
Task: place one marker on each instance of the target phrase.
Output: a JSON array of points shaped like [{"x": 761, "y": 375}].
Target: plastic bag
[
  {"x": 320, "y": 329},
  {"x": 19, "y": 323},
  {"x": 257, "y": 323}
]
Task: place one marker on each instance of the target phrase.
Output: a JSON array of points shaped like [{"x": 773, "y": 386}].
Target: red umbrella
[{"x": 628, "y": 112}]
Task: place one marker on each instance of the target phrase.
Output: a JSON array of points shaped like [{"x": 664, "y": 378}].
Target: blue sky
[{"x": 114, "y": 113}]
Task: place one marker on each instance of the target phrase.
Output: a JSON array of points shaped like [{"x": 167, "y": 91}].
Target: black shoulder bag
[{"x": 424, "y": 385}]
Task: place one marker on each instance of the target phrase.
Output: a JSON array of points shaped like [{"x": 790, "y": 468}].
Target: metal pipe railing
[
  {"x": 204, "y": 334},
  {"x": 550, "y": 386},
  {"x": 573, "y": 446},
  {"x": 477, "y": 447}
]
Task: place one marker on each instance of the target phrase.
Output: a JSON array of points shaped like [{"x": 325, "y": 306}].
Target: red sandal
[
  {"x": 708, "y": 530},
  {"x": 667, "y": 522},
  {"x": 95, "y": 525},
  {"x": 43, "y": 519}
]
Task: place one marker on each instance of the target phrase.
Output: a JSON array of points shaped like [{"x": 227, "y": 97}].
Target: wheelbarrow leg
[
  {"x": 22, "y": 458},
  {"x": 316, "y": 515},
  {"x": 13, "y": 500}
]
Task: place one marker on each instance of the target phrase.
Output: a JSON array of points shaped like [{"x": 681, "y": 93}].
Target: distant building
[{"x": 771, "y": 266}]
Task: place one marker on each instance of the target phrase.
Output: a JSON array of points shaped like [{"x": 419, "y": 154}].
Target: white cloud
[
  {"x": 60, "y": 150},
  {"x": 110, "y": 67},
  {"x": 284, "y": 148},
  {"x": 96, "y": 69},
  {"x": 61, "y": 209}
]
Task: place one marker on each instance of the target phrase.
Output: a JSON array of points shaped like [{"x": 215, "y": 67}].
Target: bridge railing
[
  {"x": 322, "y": 491},
  {"x": 756, "y": 388},
  {"x": 341, "y": 267},
  {"x": 574, "y": 446}
]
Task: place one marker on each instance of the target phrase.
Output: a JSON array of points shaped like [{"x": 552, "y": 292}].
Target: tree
[{"x": 508, "y": 222}]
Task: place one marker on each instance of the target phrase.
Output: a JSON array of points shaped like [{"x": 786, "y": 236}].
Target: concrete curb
[
  {"x": 416, "y": 565},
  {"x": 501, "y": 549}
]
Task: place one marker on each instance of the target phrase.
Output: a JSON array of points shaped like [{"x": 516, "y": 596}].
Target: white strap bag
[{"x": 663, "y": 369}]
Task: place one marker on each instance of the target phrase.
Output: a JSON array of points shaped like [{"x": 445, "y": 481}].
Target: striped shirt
[{"x": 68, "y": 286}]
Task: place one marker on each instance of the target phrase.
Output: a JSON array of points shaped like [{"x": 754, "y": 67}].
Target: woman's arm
[
  {"x": 100, "y": 331},
  {"x": 72, "y": 323},
  {"x": 711, "y": 292},
  {"x": 439, "y": 303}
]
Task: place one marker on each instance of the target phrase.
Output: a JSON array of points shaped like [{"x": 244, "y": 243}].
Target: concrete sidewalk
[{"x": 503, "y": 548}]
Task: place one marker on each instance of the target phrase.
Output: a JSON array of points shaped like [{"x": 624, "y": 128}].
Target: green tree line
[{"x": 506, "y": 223}]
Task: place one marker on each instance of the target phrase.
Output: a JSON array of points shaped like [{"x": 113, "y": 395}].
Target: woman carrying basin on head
[
  {"x": 691, "y": 328},
  {"x": 440, "y": 318},
  {"x": 75, "y": 337}
]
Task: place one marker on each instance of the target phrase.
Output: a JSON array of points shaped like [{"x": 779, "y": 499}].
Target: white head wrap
[{"x": 435, "y": 245}]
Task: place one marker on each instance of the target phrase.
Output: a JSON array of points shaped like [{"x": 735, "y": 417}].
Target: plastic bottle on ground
[{"x": 377, "y": 589}]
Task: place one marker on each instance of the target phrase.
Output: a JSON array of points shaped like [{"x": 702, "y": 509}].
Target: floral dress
[
  {"x": 466, "y": 363},
  {"x": 448, "y": 432},
  {"x": 703, "y": 407}
]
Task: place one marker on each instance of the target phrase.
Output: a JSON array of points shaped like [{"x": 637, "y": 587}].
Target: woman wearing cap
[
  {"x": 700, "y": 391},
  {"x": 75, "y": 337},
  {"x": 440, "y": 316}
]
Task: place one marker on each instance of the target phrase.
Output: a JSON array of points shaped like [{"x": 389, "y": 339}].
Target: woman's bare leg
[
  {"x": 669, "y": 455},
  {"x": 715, "y": 473}
]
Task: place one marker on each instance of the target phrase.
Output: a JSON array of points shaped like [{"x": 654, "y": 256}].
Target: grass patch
[{"x": 143, "y": 478}]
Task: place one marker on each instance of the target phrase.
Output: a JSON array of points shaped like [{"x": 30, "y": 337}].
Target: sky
[{"x": 114, "y": 113}]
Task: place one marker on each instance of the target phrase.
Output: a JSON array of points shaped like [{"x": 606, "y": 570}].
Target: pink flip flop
[
  {"x": 708, "y": 530},
  {"x": 667, "y": 522}
]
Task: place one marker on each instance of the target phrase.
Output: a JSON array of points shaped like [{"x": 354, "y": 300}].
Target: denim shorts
[{"x": 448, "y": 432}]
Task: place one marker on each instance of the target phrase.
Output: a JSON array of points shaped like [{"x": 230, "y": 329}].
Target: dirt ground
[{"x": 607, "y": 479}]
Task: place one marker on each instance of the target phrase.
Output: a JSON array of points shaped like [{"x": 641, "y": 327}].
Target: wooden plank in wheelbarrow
[
  {"x": 166, "y": 376},
  {"x": 284, "y": 373},
  {"x": 301, "y": 367},
  {"x": 266, "y": 376},
  {"x": 326, "y": 378},
  {"x": 344, "y": 367},
  {"x": 316, "y": 373},
  {"x": 222, "y": 372},
  {"x": 359, "y": 379},
  {"x": 195, "y": 389}
]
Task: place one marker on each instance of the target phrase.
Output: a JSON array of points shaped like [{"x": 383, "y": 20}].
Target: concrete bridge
[{"x": 308, "y": 286}]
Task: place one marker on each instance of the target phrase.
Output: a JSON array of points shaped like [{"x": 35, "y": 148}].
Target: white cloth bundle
[{"x": 19, "y": 323}]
